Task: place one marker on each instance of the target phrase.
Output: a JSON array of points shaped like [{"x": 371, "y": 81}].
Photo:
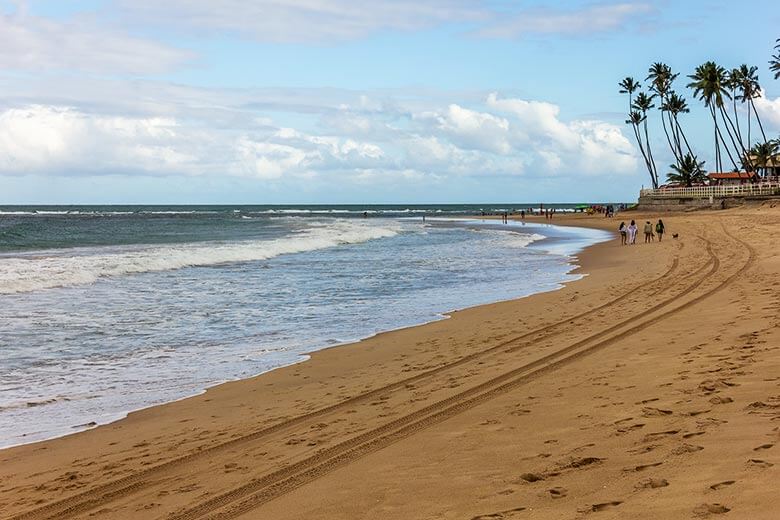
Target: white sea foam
[
  {"x": 32, "y": 272},
  {"x": 520, "y": 240}
]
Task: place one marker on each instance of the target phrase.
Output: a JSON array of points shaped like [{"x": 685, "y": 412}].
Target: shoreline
[
  {"x": 572, "y": 260},
  {"x": 646, "y": 389}
]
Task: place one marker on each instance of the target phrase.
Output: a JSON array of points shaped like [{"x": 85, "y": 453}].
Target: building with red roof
[{"x": 732, "y": 178}]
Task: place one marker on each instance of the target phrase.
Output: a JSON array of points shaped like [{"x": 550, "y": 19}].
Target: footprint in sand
[
  {"x": 655, "y": 435},
  {"x": 643, "y": 449},
  {"x": 652, "y": 483},
  {"x": 721, "y": 400},
  {"x": 583, "y": 462},
  {"x": 631, "y": 428},
  {"x": 508, "y": 514},
  {"x": 686, "y": 448},
  {"x": 531, "y": 477},
  {"x": 605, "y": 505},
  {"x": 643, "y": 467},
  {"x": 763, "y": 447},
  {"x": 723, "y": 484},
  {"x": 558, "y": 492},
  {"x": 760, "y": 463},
  {"x": 708, "y": 509},
  {"x": 655, "y": 412}
]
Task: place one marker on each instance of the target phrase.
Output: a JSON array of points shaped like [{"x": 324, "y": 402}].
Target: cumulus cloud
[
  {"x": 588, "y": 146},
  {"x": 30, "y": 42},
  {"x": 65, "y": 141},
  {"x": 356, "y": 141},
  {"x": 769, "y": 110},
  {"x": 588, "y": 19},
  {"x": 470, "y": 129}
]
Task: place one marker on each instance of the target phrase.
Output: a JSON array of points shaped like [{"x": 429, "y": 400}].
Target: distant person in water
[
  {"x": 623, "y": 234},
  {"x": 632, "y": 233},
  {"x": 365, "y": 214},
  {"x": 648, "y": 232},
  {"x": 660, "y": 229},
  {"x": 522, "y": 214}
]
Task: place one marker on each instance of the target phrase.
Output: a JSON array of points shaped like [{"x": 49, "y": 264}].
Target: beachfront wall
[
  {"x": 682, "y": 199},
  {"x": 718, "y": 192}
]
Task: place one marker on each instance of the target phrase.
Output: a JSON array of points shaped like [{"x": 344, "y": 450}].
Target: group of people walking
[{"x": 628, "y": 233}]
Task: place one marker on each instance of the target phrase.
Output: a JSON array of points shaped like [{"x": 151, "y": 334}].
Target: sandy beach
[{"x": 648, "y": 389}]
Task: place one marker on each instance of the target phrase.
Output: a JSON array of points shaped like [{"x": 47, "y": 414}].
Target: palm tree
[
  {"x": 763, "y": 152},
  {"x": 688, "y": 171},
  {"x": 708, "y": 86},
  {"x": 635, "y": 119},
  {"x": 661, "y": 77},
  {"x": 675, "y": 105},
  {"x": 643, "y": 104},
  {"x": 733, "y": 82},
  {"x": 736, "y": 79},
  {"x": 749, "y": 89},
  {"x": 628, "y": 86},
  {"x": 774, "y": 63}
]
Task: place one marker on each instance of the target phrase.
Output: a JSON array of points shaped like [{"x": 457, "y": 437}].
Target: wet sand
[{"x": 648, "y": 389}]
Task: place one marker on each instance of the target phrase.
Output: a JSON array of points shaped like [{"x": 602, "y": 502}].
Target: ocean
[{"x": 109, "y": 309}]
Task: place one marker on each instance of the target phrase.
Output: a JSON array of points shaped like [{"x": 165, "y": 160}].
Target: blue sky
[{"x": 318, "y": 101}]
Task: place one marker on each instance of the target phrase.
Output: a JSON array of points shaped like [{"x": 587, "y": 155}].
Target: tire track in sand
[
  {"x": 258, "y": 491},
  {"x": 111, "y": 491}
]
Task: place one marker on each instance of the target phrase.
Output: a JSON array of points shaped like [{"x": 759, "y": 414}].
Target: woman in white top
[{"x": 632, "y": 233}]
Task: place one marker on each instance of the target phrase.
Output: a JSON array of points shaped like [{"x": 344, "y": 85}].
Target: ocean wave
[
  {"x": 520, "y": 240},
  {"x": 79, "y": 267}
]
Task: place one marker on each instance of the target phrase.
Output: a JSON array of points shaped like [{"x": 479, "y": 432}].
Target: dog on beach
[{"x": 675, "y": 235}]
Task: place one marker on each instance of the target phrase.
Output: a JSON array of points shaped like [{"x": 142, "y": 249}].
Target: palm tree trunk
[
  {"x": 748, "y": 121},
  {"x": 669, "y": 140},
  {"x": 758, "y": 119},
  {"x": 736, "y": 120},
  {"x": 682, "y": 134},
  {"x": 676, "y": 134},
  {"x": 644, "y": 155},
  {"x": 723, "y": 141},
  {"x": 741, "y": 148},
  {"x": 717, "y": 145},
  {"x": 654, "y": 172}
]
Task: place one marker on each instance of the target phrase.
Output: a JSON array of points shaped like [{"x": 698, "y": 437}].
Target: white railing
[{"x": 705, "y": 192}]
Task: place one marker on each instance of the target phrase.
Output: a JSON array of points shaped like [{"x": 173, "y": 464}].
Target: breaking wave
[{"x": 32, "y": 272}]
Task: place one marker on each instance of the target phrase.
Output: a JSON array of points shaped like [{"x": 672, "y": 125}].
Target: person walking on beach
[
  {"x": 648, "y": 231},
  {"x": 623, "y": 232},
  {"x": 522, "y": 214},
  {"x": 632, "y": 232},
  {"x": 660, "y": 229}
]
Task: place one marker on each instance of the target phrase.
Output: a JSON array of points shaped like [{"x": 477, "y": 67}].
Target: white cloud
[
  {"x": 62, "y": 140},
  {"x": 300, "y": 20},
  {"x": 584, "y": 146},
  {"x": 327, "y": 21},
  {"x": 29, "y": 42},
  {"x": 590, "y": 19},
  {"x": 470, "y": 129},
  {"x": 344, "y": 135},
  {"x": 769, "y": 110}
]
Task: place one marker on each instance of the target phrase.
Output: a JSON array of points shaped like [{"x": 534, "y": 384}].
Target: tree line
[{"x": 722, "y": 92}]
